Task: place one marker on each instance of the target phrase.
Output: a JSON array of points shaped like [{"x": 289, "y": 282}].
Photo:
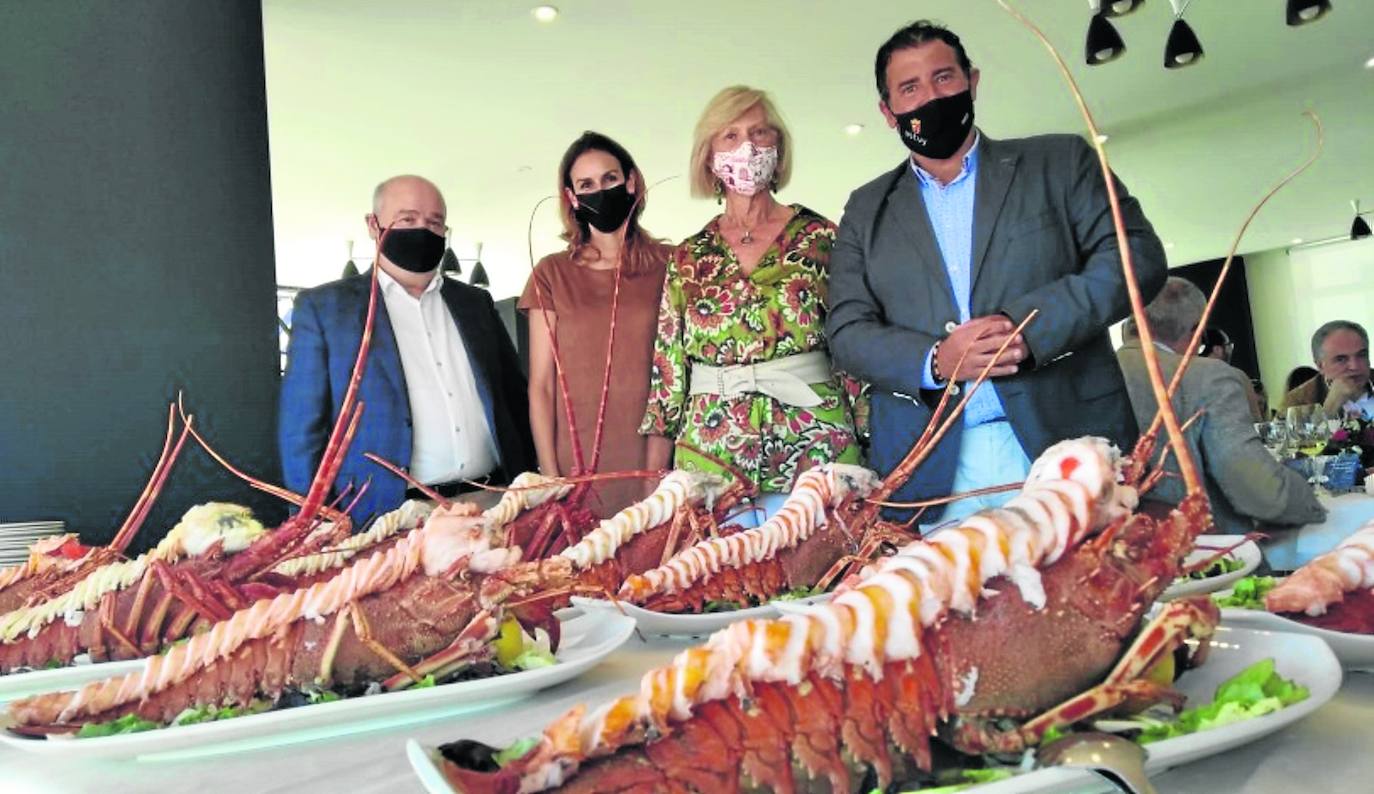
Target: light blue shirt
[{"x": 950, "y": 209}]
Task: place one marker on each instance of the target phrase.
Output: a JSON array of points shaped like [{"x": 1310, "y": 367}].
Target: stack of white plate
[{"x": 15, "y": 539}]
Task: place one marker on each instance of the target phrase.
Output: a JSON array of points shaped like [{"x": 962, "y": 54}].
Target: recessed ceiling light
[
  {"x": 1297, "y": 241},
  {"x": 545, "y": 13},
  {"x": 853, "y": 129},
  {"x": 1369, "y": 64},
  {"x": 1102, "y": 137}
]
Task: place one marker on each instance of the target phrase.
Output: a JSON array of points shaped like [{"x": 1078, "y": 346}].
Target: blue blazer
[
  {"x": 327, "y": 325},
  {"x": 1042, "y": 239}
]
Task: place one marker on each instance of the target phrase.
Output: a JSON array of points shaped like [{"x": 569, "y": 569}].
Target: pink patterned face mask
[{"x": 746, "y": 170}]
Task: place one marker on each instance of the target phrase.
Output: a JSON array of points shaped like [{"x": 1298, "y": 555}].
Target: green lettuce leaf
[
  {"x": 129, "y": 723},
  {"x": 516, "y": 751},
  {"x": 1253, "y": 692},
  {"x": 1248, "y": 593}
]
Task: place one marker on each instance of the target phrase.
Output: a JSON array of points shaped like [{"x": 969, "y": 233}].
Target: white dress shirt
[{"x": 450, "y": 437}]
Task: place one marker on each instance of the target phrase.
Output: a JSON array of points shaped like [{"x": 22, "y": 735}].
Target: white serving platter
[
  {"x": 1355, "y": 651},
  {"x": 19, "y": 685},
  {"x": 1248, "y": 553},
  {"x": 668, "y": 624},
  {"x": 1301, "y": 658},
  {"x": 586, "y": 640}
]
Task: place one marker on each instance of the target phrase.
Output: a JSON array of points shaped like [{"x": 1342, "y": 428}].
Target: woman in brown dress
[{"x": 569, "y": 299}]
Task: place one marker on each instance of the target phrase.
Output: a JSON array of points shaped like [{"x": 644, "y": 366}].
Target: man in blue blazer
[
  {"x": 938, "y": 259},
  {"x": 443, "y": 393}
]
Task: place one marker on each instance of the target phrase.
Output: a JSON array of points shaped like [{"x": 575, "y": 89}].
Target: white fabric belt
[{"x": 785, "y": 379}]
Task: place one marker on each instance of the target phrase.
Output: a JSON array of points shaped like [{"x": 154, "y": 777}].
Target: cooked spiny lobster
[
  {"x": 397, "y": 615},
  {"x": 794, "y": 548},
  {"x": 1322, "y": 585},
  {"x": 908, "y": 647}
]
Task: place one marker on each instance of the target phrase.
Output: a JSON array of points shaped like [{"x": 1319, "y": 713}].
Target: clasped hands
[{"x": 977, "y": 342}]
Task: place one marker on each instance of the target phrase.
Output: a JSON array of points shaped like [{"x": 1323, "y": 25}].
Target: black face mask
[
  {"x": 605, "y": 209},
  {"x": 939, "y": 127},
  {"x": 417, "y": 250}
]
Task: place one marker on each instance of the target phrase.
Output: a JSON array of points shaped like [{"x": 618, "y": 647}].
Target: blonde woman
[{"x": 741, "y": 374}]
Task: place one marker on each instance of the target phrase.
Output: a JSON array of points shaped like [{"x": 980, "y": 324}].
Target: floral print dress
[{"x": 712, "y": 313}]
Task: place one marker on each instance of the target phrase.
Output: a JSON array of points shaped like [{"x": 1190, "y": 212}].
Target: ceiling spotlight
[
  {"x": 1369, "y": 64},
  {"x": 1102, "y": 137},
  {"x": 1300, "y": 12},
  {"x": 1359, "y": 229},
  {"x": 1104, "y": 43},
  {"x": 1296, "y": 241},
  {"x": 1183, "y": 48},
  {"x": 1119, "y": 8},
  {"x": 545, "y": 13},
  {"x": 853, "y": 129}
]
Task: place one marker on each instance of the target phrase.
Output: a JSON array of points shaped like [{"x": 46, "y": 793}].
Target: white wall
[{"x": 1292, "y": 293}]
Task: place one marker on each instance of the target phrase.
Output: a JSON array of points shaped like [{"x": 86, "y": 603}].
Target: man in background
[
  {"x": 1244, "y": 482},
  {"x": 1340, "y": 349},
  {"x": 443, "y": 392}
]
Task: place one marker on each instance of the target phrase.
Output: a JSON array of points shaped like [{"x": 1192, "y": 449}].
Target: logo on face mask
[{"x": 939, "y": 127}]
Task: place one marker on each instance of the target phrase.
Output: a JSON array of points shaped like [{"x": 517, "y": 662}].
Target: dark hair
[
  {"x": 922, "y": 31},
  {"x": 639, "y": 254},
  {"x": 1298, "y": 377}
]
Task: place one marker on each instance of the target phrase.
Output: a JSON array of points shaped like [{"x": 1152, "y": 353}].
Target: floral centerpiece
[{"x": 1354, "y": 436}]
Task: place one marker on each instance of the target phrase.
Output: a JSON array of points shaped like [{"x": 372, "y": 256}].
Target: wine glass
[
  {"x": 1318, "y": 478},
  {"x": 1276, "y": 440}
]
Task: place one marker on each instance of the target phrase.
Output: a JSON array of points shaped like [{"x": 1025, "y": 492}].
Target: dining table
[
  {"x": 1327, "y": 749},
  {"x": 1289, "y": 548}
]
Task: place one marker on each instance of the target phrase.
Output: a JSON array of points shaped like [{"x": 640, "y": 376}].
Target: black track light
[
  {"x": 479, "y": 276},
  {"x": 1300, "y": 12},
  {"x": 1183, "y": 48},
  {"x": 479, "y": 273},
  {"x": 1119, "y": 8},
  {"x": 1104, "y": 43},
  {"x": 1359, "y": 229}
]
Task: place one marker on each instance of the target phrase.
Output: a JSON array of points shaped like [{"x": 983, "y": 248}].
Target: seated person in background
[
  {"x": 1340, "y": 349},
  {"x": 1217, "y": 344},
  {"x": 1244, "y": 482},
  {"x": 443, "y": 392},
  {"x": 1297, "y": 377}
]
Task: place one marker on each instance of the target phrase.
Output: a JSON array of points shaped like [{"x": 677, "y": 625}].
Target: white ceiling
[{"x": 483, "y": 99}]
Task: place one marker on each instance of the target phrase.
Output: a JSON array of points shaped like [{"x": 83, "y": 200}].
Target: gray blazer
[
  {"x": 1244, "y": 482},
  {"x": 1042, "y": 239}
]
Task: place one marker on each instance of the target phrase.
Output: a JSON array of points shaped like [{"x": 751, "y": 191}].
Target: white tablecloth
[
  {"x": 1328, "y": 751},
  {"x": 1289, "y": 549}
]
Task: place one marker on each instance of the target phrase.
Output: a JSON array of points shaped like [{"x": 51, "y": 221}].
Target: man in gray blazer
[
  {"x": 940, "y": 257},
  {"x": 1244, "y": 482}
]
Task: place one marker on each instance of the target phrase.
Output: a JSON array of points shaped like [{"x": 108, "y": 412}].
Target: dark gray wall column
[{"x": 136, "y": 255}]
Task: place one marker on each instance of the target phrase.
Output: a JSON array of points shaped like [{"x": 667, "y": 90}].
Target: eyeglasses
[{"x": 414, "y": 221}]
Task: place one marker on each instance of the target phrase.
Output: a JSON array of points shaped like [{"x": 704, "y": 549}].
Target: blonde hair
[{"x": 720, "y": 112}]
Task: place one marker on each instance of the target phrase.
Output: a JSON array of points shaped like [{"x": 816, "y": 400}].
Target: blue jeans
[{"x": 989, "y": 454}]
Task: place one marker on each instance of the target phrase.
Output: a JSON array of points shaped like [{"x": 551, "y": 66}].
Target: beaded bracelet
[{"x": 935, "y": 361}]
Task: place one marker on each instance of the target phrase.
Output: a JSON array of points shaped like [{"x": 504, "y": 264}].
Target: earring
[{"x": 720, "y": 192}]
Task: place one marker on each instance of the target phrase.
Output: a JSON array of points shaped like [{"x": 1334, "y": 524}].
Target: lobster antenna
[
  {"x": 1192, "y": 350},
  {"x": 1187, "y": 466},
  {"x": 579, "y": 463},
  {"x": 615, "y": 303}
]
